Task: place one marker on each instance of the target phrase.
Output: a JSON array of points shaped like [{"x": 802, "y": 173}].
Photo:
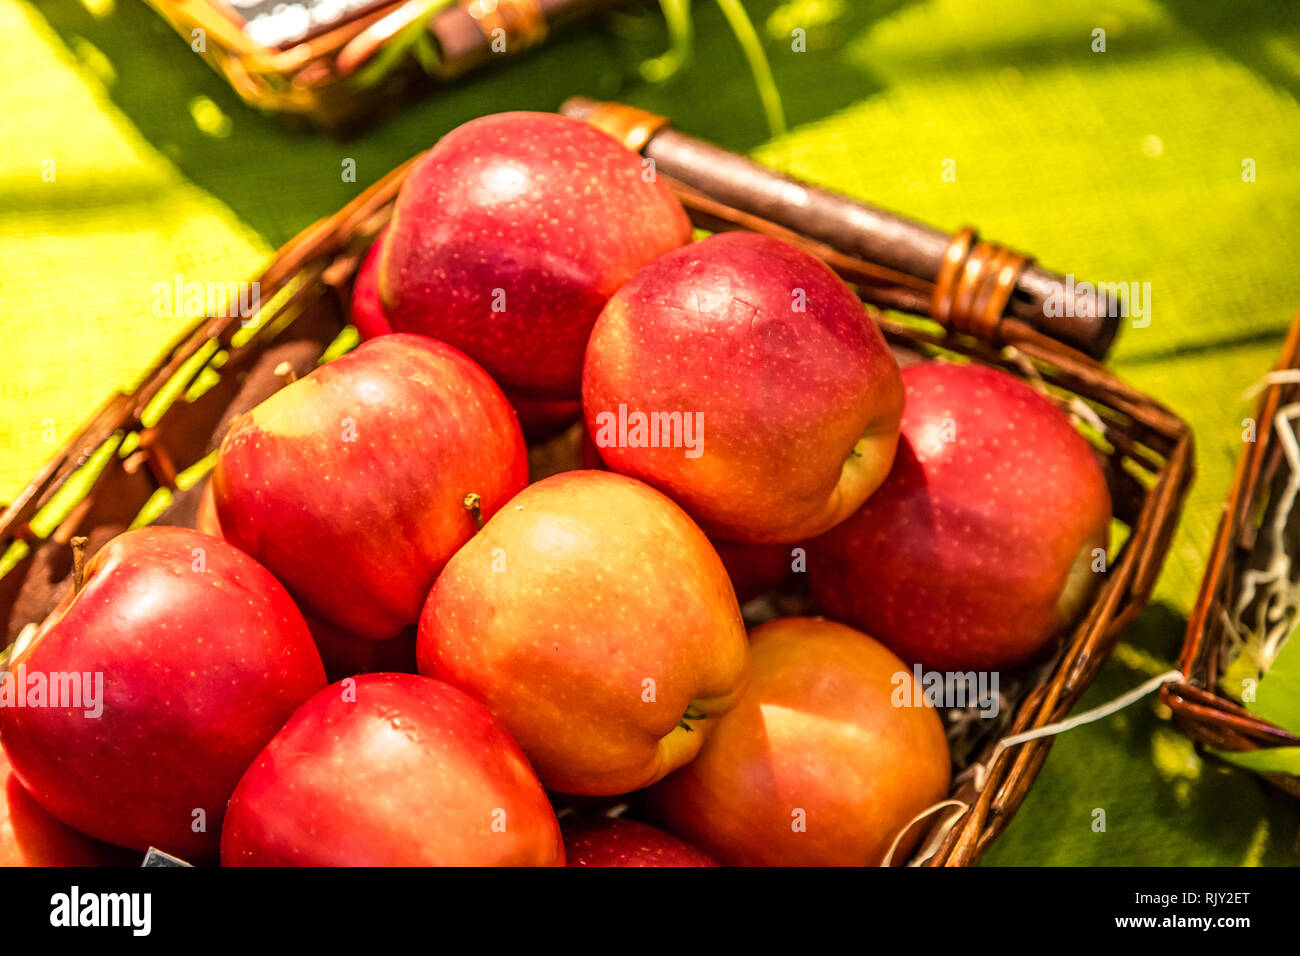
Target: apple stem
[
  {"x": 690, "y": 716},
  {"x": 474, "y": 504},
  {"x": 78, "y": 563},
  {"x": 286, "y": 372}
]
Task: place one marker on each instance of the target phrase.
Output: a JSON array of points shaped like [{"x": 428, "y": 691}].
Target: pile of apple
[{"x": 501, "y": 649}]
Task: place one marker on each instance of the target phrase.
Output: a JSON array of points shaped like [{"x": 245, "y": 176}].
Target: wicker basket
[
  {"x": 1199, "y": 707},
  {"x": 157, "y": 461},
  {"x": 337, "y": 74}
]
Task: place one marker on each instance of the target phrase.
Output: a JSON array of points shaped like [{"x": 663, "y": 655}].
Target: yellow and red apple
[
  {"x": 595, "y": 620},
  {"x": 815, "y": 766}
]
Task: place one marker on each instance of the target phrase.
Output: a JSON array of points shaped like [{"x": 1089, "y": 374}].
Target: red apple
[
  {"x": 979, "y": 547},
  {"x": 391, "y": 770},
  {"x": 350, "y": 484},
  {"x": 614, "y": 841},
  {"x": 509, "y": 235},
  {"x": 367, "y": 311},
  {"x": 540, "y": 418},
  {"x": 31, "y": 837},
  {"x": 817, "y": 765},
  {"x": 595, "y": 620},
  {"x": 191, "y": 657},
  {"x": 793, "y": 395}
]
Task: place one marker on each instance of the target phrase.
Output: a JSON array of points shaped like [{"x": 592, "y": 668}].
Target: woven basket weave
[
  {"x": 158, "y": 457},
  {"x": 1199, "y": 707},
  {"x": 321, "y": 76}
]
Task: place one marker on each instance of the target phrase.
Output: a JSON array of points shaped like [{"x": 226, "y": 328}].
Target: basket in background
[
  {"x": 335, "y": 73},
  {"x": 1199, "y": 704}
]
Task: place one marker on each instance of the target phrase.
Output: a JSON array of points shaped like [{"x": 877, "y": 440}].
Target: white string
[
  {"x": 1081, "y": 409},
  {"x": 1087, "y": 717},
  {"x": 1278, "y": 595},
  {"x": 1286, "y": 376},
  {"x": 1031, "y": 371},
  {"x": 943, "y": 831},
  {"x": 981, "y": 769},
  {"x": 1078, "y": 408}
]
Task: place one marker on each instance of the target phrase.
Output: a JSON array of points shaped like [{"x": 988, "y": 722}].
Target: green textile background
[{"x": 1124, "y": 165}]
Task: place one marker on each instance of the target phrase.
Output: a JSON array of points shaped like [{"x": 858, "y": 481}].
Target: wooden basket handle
[{"x": 965, "y": 283}]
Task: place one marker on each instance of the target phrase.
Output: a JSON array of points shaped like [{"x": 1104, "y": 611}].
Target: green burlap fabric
[{"x": 1128, "y": 165}]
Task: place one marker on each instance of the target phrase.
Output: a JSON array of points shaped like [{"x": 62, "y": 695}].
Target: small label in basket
[{"x": 156, "y": 857}]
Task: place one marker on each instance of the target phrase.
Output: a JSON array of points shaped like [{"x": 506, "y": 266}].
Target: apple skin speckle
[{"x": 977, "y": 549}]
